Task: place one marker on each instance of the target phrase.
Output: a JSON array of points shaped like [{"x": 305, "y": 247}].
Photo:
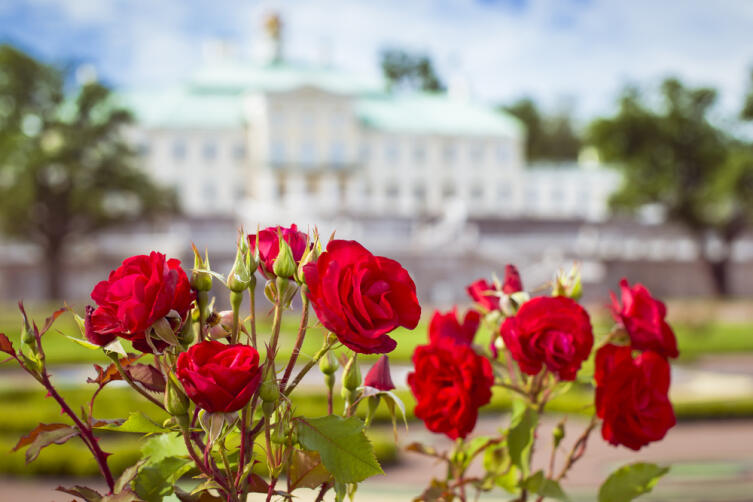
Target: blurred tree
[
  {"x": 747, "y": 112},
  {"x": 411, "y": 71},
  {"x": 673, "y": 156},
  {"x": 549, "y": 138},
  {"x": 65, "y": 169}
]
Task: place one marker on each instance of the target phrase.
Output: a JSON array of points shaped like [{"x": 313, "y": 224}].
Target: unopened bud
[
  {"x": 176, "y": 401},
  {"x": 328, "y": 364},
  {"x": 201, "y": 279},
  {"x": 352, "y": 374},
  {"x": 568, "y": 283},
  {"x": 558, "y": 434},
  {"x": 373, "y": 405},
  {"x": 284, "y": 264},
  {"x": 239, "y": 276},
  {"x": 269, "y": 390}
]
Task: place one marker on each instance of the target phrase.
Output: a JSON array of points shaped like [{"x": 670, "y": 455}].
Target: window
[
  {"x": 277, "y": 155},
  {"x": 504, "y": 191},
  {"x": 391, "y": 151},
  {"x": 477, "y": 154},
  {"x": 308, "y": 153},
  {"x": 448, "y": 153},
  {"x": 210, "y": 190},
  {"x": 239, "y": 151},
  {"x": 392, "y": 191},
  {"x": 364, "y": 153},
  {"x": 477, "y": 192},
  {"x": 448, "y": 191},
  {"x": 240, "y": 192},
  {"x": 503, "y": 153},
  {"x": 337, "y": 153},
  {"x": 419, "y": 153},
  {"x": 209, "y": 151},
  {"x": 419, "y": 192},
  {"x": 179, "y": 151}
]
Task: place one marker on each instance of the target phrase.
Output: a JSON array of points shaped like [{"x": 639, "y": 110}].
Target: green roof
[
  {"x": 435, "y": 114},
  {"x": 214, "y": 98}
]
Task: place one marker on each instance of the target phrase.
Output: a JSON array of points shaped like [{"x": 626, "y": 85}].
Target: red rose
[
  {"x": 631, "y": 396},
  {"x": 643, "y": 318},
  {"x": 361, "y": 297},
  {"x": 549, "y": 331},
  {"x": 379, "y": 375},
  {"x": 484, "y": 294},
  {"x": 143, "y": 290},
  {"x": 512, "y": 283},
  {"x": 446, "y": 327},
  {"x": 218, "y": 377},
  {"x": 269, "y": 246},
  {"x": 450, "y": 384}
]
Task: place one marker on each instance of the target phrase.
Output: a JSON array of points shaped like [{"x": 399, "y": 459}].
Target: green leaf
[
  {"x": 124, "y": 481},
  {"x": 84, "y": 343},
  {"x": 136, "y": 422},
  {"x": 500, "y": 471},
  {"x": 520, "y": 436},
  {"x": 630, "y": 481},
  {"x": 342, "y": 445},
  {"x": 155, "y": 481},
  {"x": 162, "y": 446},
  {"x": 83, "y": 492},
  {"x": 44, "y": 435},
  {"x": 548, "y": 488}
]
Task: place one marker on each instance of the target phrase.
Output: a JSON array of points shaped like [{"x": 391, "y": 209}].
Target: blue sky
[{"x": 558, "y": 51}]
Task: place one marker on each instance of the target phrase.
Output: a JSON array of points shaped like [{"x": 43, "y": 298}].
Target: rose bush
[
  {"x": 554, "y": 332},
  {"x": 219, "y": 377},
  {"x": 142, "y": 291},
  {"x": 361, "y": 297},
  {"x": 632, "y": 396}
]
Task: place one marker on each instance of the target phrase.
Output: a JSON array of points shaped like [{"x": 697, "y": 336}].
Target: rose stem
[
  {"x": 201, "y": 465},
  {"x": 252, "y": 310},
  {"x": 578, "y": 449},
  {"x": 308, "y": 366},
  {"x": 134, "y": 385},
  {"x": 299, "y": 340}
]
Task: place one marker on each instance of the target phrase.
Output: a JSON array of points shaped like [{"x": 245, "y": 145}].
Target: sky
[{"x": 575, "y": 53}]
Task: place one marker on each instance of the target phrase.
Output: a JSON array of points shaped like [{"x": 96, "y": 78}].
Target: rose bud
[
  {"x": 138, "y": 295},
  {"x": 219, "y": 378},
  {"x": 361, "y": 297},
  {"x": 266, "y": 245},
  {"x": 554, "y": 332},
  {"x": 631, "y": 396},
  {"x": 379, "y": 375},
  {"x": 512, "y": 283},
  {"x": 642, "y": 316},
  {"x": 484, "y": 294}
]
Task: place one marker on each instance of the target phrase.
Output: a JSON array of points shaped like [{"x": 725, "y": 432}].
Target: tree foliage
[
  {"x": 65, "y": 168},
  {"x": 411, "y": 71},
  {"x": 549, "y": 137},
  {"x": 673, "y": 155}
]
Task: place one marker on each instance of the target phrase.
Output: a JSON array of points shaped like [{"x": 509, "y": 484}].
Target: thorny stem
[
  {"x": 124, "y": 374},
  {"x": 299, "y": 339},
  {"x": 200, "y": 464},
  {"x": 324, "y": 489},
  {"x": 328, "y": 345},
  {"x": 252, "y": 309},
  {"x": 578, "y": 449}
]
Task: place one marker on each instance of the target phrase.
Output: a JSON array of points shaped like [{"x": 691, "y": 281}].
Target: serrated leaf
[
  {"x": 184, "y": 496},
  {"x": 50, "y": 320},
  {"x": 125, "y": 496},
  {"x": 307, "y": 470},
  {"x": 83, "y": 492},
  {"x": 630, "y": 481},
  {"x": 540, "y": 485},
  {"x": 136, "y": 422},
  {"x": 6, "y": 345},
  {"x": 520, "y": 435},
  {"x": 44, "y": 435},
  {"x": 344, "y": 449},
  {"x": 162, "y": 446},
  {"x": 499, "y": 469},
  {"x": 155, "y": 481}
]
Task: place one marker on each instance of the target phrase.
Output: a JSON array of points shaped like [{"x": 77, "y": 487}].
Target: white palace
[{"x": 275, "y": 140}]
